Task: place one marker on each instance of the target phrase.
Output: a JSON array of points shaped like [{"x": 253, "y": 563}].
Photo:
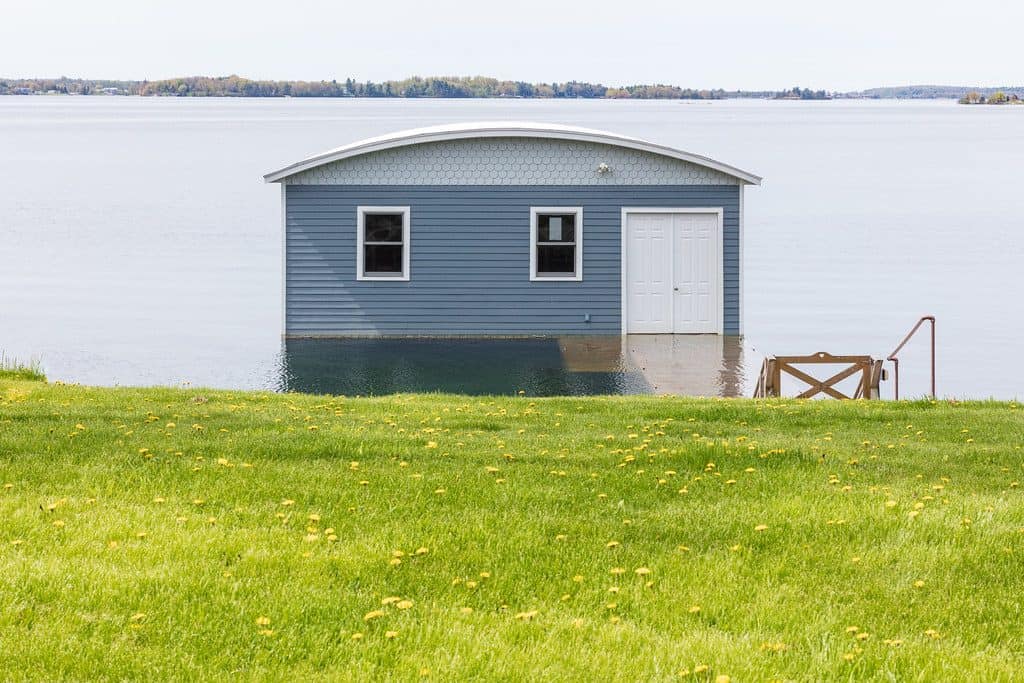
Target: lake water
[{"x": 140, "y": 245}]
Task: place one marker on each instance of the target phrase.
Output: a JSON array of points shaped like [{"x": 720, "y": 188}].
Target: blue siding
[{"x": 470, "y": 262}]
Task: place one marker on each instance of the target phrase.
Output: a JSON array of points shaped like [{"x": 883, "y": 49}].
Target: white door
[
  {"x": 649, "y": 273},
  {"x": 695, "y": 273},
  {"x": 672, "y": 271}
]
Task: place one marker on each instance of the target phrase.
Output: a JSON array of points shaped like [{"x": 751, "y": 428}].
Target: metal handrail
[{"x": 896, "y": 361}]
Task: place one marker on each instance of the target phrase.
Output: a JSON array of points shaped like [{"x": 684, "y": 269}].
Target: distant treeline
[
  {"x": 924, "y": 92},
  {"x": 456, "y": 86}
]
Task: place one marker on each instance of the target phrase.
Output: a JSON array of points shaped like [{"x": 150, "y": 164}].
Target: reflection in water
[{"x": 705, "y": 365}]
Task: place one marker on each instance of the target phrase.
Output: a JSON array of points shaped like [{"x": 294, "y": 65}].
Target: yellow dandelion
[
  {"x": 390, "y": 635},
  {"x": 466, "y": 610},
  {"x": 611, "y": 544},
  {"x": 390, "y": 601},
  {"x": 403, "y": 604},
  {"x": 641, "y": 571},
  {"x": 357, "y": 636},
  {"x": 617, "y": 570},
  {"x": 527, "y": 616},
  {"x": 761, "y": 527},
  {"x": 263, "y": 621},
  {"x": 374, "y": 614},
  {"x": 138, "y": 616},
  {"x": 919, "y": 584}
]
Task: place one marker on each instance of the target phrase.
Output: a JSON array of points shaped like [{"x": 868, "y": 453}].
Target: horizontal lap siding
[{"x": 470, "y": 260}]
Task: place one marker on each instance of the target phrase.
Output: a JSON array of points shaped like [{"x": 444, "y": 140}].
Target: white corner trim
[
  {"x": 361, "y": 212},
  {"x": 502, "y": 129},
  {"x": 284, "y": 259},
  {"x": 717, "y": 211},
  {"x": 577, "y": 276},
  {"x": 742, "y": 266}
]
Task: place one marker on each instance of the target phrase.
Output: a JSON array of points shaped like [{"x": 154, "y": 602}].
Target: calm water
[{"x": 140, "y": 246}]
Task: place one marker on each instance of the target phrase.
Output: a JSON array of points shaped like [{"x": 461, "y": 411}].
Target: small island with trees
[{"x": 998, "y": 97}]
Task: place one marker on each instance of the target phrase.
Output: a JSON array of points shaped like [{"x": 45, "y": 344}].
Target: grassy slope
[{"x": 146, "y": 531}]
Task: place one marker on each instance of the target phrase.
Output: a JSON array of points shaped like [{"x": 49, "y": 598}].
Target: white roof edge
[{"x": 510, "y": 129}]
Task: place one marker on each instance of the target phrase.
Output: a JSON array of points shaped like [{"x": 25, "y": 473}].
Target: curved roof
[{"x": 502, "y": 129}]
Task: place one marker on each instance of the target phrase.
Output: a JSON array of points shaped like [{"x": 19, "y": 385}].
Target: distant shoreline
[
  {"x": 442, "y": 87},
  {"x": 472, "y": 87}
]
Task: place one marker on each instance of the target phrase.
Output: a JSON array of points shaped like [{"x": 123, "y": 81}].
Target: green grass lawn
[{"x": 170, "y": 534}]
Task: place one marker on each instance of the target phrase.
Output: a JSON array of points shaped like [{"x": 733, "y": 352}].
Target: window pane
[
  {"x": 556, "y": 227},
  {"x": 383, "y": 227},
  {"x": 382, "y": 259},
  {"x": 556, "y": 259}
]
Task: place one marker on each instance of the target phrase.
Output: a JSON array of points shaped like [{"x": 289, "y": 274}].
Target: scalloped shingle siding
[{"x": 510, "y": 161}]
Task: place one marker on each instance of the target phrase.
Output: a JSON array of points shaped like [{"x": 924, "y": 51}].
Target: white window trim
[
  {"x": 535, "y": 211},
  {"x": 361, "y": 212}
]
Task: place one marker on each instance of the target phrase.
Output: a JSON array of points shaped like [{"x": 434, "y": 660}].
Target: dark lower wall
[{"x": 470, "y": 262}]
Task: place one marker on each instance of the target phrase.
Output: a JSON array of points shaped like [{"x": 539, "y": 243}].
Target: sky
[{"x": 769, "y": 44}]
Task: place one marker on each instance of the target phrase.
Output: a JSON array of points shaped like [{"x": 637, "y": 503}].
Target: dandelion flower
[
  {"x": 641, "y": 571},
  {"x": 617, "y": 570},
  {"x": 266, "y": 632},
  {"x": 390, "y": 601},
  {"x": 390, "y": 635},
  {"x": 138, "y": 616},
  {"x": 612, "y": 544},
  {"x": 526, "y": 616},
  {"x": 403, "y": 604},
  {"x": 375, "y": 614},
  {"x": 466, "y": 610},
  {"x": 263, "y": 621},
  {"x": 761, "y": 527},
  {"x": 919, "y": 584},
  {"x": 695, "y": 609},
  {"x": 357, "y": 636}
]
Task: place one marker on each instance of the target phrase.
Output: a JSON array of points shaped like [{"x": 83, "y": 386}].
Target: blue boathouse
[{"x": 511, "y": 229}]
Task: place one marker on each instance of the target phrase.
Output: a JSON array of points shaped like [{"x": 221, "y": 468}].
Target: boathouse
[{"x": 511, "y": 229}]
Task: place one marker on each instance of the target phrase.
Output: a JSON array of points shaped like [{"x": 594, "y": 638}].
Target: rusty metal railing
[{"x": 896, "y": 361}]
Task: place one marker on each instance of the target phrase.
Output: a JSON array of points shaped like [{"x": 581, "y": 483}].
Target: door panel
[
  {"x": 695, "y": 273},
  {"x": 649, "y": 273}
]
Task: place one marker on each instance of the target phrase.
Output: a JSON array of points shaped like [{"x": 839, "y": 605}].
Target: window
[
  {"x": 382, "y": 243},
  {"x": 556, "y": 243}
]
